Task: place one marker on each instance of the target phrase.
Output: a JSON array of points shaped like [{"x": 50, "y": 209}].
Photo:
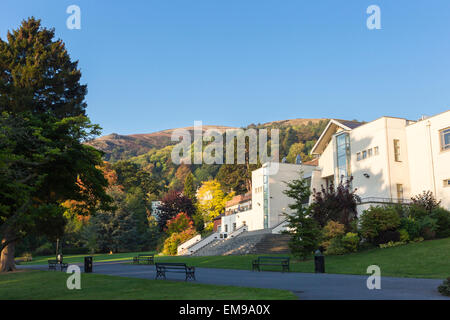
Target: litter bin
[
  {"x": 87, "y": 264},
  {"x": 319, "y": 262}
]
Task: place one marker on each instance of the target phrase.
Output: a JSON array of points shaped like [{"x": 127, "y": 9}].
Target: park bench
[
  {"x": 271, "y": 261},
  {"x": 53, "y": 264},
  {"x": 147, "y": 258},
  {"x": 162, "y": 268}
]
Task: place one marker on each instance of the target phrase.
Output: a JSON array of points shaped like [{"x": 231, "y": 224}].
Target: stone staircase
[{"x": 251, "y": 242}]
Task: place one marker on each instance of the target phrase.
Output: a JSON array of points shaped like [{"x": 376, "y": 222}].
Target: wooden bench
[
  {"x": 162, "y": 268},
  {"x": 53, "y": 264},
  {"x": 271, "y": 261},
  {"x": 147, "y": 258}
]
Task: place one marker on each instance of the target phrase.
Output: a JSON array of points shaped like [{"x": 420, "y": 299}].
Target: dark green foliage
[
  {"x": 378, "y": 223},
  {"x": 444, "y": 288},
  {"x": 37, "y": 74},
  {"x": 442, "y": 217},
  {"x": 189, "y": 187},
  {"x": 304, "y": 231}
]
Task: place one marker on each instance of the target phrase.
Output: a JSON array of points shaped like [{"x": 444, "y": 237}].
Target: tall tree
[
  {"x": 304, "y": 231},
  {"x": 43, "y": 160},
  {"x": 172, "y": 204}
]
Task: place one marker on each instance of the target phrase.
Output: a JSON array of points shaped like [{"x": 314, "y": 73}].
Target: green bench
[
  {"x": 163, "y": 267},
  {"x": 283, "y": 262},
  {"x": 146, "y": 258}
]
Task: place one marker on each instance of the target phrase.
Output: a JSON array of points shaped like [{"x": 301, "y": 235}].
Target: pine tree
[{"x": 303, "y": 229}]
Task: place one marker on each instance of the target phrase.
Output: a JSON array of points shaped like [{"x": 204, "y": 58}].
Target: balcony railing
[{"x": 385, "y": 200}]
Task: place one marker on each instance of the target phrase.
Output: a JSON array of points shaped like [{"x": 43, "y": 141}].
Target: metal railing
[{"x": 385, "y": 200}]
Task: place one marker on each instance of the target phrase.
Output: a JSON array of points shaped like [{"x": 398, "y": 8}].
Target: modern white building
[
  {"x": 390, "y": 159},
  {"x": 268, "y": 202}
]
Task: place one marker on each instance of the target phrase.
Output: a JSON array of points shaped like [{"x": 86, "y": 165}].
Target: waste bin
[
  {"x": 319, "y": 262},
  {"x": 87, "y": 264}
]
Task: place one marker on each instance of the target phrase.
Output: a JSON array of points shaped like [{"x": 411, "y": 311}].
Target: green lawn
[
  {"x": 102, "y": 257},
  {"x": 427, "y": 259},
  {"x": 47, "y": 285}
]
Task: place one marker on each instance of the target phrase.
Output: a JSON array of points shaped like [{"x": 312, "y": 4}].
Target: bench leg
[
  {"x": 160, "y": 274},
  {"x": 190, "y": 275}
]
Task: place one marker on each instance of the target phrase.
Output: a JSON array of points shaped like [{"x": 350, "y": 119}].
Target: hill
[{"x": 123, "y": 147}]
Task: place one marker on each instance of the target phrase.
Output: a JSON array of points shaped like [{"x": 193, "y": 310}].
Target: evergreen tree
[
  {"x": 189, "y": 188},
  {"x": 304, "y": 231}
]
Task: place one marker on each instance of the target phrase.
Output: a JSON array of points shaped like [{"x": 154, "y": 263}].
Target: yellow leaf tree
[{"x": 211, "y": 201}]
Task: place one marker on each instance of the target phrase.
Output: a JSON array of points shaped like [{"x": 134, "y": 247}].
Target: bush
[
  {"x": 331, "y": 231},
  {"x": 428, "y": 227},
  {"x": 444, "y": 288},
  {"x": 404, "y": 235},
  {"x": 171, "y": 243},
  {"x": 45, "y": 250},
  {"x": 442, "y": 218},
  {"x": 378, "y": 224},
  {"x": 387, "y": 236},
  {"x": 351, "y": 242},
  {"x": 336, "y": 247},
  {"x": 391, "y": 244},
  {"x": 411, "y": 226}
]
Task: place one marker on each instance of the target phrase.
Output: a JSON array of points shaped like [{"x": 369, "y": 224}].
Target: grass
[
  {"x": 427, "y": 259},
  {"x": 102, "y": 257},
  {"x": 47, "y": 285}
]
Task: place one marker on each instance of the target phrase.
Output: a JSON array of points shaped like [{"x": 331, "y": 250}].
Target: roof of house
[
  {"x": 239, "y": 199},
  {"x": 331, "y": 129}
]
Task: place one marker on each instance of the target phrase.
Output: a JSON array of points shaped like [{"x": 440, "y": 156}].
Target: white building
[
  {"x": 390, "y": 160},
  {"x": 268, "y": 202}
]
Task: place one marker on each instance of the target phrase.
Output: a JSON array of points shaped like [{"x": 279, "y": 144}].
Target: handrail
[
  {"x": 385, "y": 200},
  {"x": 278, "y": 225},
  {"x": 238, "y": 231},
  {"x": 203, "y": 242}
]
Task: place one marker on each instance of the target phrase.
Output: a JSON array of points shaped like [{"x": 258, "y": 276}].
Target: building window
[
  {"x": 447, "y": 183},
  {"x": 364, "y": 154},
  {"x": 234, "y": 226},
  {"x": 369, "y": 152},
  {"x": 226, "y": 228},
  {"x": 445, "y": 139},
  {"x": 358, "y": 156},
  {"x": 376, "y": 151},
  {"x": 397, "y": 150},
  {"x": 343, "y": 156},
  {"x": 400, "y": 192}
]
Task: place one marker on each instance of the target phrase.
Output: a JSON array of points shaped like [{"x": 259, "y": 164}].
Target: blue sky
[{"x": 154, "y": 65}]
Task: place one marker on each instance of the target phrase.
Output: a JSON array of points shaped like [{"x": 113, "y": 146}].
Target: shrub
[
  {"x": 444, "y": 288},
  {"x": 442, "y": 218},
  {"x": 351, "y": 242},
  {"x": 404, "y": 235},
  {"x": 411, "y": 226},
  {"x": 428, "y": 227},
  {"x": 426, "y": 200},
  {"x": 391, "y": 244},
  {"x": 377, "y": 221},
  {"x": 336, "y": 247},
  {"x": 332, "y": 230},
  {"x": 171, "y": 243},
  {"x": 45, "y": 250},
  {"x": 387, "y": 236}
]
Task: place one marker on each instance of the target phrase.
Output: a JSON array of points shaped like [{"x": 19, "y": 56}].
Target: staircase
[{"x": 251, "y": 242}]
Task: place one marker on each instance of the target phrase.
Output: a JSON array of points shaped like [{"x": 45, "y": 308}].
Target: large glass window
[
  {"x": 343, "y": 156},
  {"x": 445, "y": 139}
]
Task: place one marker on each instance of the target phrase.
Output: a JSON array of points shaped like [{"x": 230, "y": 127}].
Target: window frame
[{"x": 442, "y": 133}]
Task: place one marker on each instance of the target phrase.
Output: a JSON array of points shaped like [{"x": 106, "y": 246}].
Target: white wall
[{"x": 429, "y": 166}]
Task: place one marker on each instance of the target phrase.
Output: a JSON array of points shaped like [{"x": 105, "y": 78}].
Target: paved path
[{"x": 304, "y": 285}]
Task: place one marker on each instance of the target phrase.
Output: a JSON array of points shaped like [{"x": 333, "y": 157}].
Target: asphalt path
[{"x": 305, "y": 285}]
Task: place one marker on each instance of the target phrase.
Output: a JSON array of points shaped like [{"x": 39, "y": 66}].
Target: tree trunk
[{"x": 7, "y": 257}]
